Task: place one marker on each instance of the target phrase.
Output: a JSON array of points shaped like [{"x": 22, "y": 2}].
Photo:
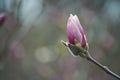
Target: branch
[
  {"x": 104, "y": 68},
  {"x": 78, "y": 51}
]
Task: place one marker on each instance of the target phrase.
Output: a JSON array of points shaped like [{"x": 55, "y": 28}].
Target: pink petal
[
  {"x": 77, "y": 22},
  {"x": 75, "y": 31},
  {"x": 83, "y": 44}
]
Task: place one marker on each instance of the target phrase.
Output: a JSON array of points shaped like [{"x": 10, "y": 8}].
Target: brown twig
[
  {"x": 104, "y": 68},
  {"x": 86, "y": 55}
]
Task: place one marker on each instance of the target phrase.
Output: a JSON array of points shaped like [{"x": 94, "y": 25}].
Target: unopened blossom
[
  {"x": 75, "y": 32},
  {"x": 2, "y": 18}
]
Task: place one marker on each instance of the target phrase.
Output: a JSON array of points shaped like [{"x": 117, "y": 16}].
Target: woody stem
[{"x": 104, "y": 68}]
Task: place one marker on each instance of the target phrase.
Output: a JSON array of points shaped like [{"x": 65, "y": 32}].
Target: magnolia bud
[
  {"x": 2, "y": 18},
  {"x": 75, "y": 32}
]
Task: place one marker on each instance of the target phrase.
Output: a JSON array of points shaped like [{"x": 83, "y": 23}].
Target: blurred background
[{"x": 30, "y": 47}]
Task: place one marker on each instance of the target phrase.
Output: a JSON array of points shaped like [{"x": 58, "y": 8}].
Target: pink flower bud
[
  {"x": 2, "y": 18},
  {"x": 75, "y": 31}
]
